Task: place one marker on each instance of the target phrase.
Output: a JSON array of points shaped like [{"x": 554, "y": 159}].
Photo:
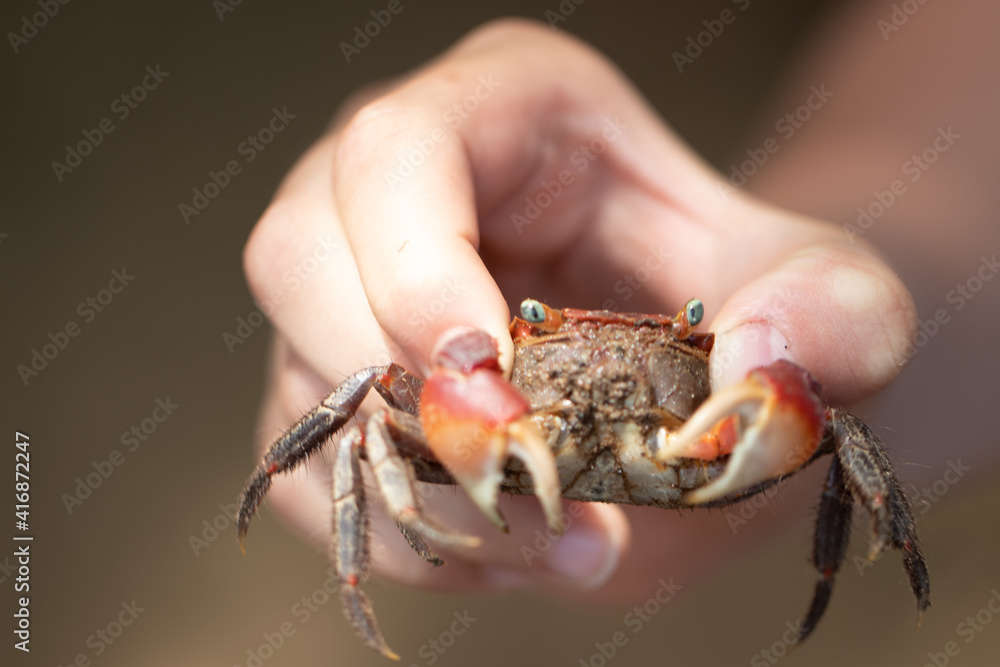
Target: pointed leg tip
[
  {"x": 493, "y": 514},
  {"x": 431, "y": 530},
  {"x": 378, "y": 645},
  {"x": 703, "y": 495},
  {"x": 241, "y": 535}
]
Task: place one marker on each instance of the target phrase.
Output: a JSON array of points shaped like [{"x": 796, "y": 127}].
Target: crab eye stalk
[
  {"x": 540, "y": 317},
  {"x": 532, "y": 311},
  {"x": 695, "y": 312}
]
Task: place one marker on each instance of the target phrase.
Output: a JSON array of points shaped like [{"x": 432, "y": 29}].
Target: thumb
[{"x": 836, "y": 310}]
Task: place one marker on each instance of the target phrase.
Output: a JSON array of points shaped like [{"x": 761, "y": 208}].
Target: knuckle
[
  {"x": 511, "y": 32},
  {"x": 374, "y": 131},
  {"x": 262, "y": 263},
  {"x": 530, "y": 38}
]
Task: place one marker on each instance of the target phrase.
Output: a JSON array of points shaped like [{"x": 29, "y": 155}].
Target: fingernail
[
  {"x": 583, "y": 558},
  {"x": 743, "y": 348},
  {"x": 463, "y": 347}
]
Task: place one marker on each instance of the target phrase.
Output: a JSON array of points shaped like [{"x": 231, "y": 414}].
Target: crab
[{"x": 600, "y": 406}]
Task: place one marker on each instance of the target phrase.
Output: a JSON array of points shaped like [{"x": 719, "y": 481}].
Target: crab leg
[
  {"x": 302, "y": 439},
  {"x": 779, "y": 420},
  {"x": 833, "y": 531},
  {"x": 349, "y": 546},
  {"x": 396, "y": 482},
  {"x": 869, "y": 477},
  {"x": 399, "y": 388},
  {"x": 419, "y": 546}
]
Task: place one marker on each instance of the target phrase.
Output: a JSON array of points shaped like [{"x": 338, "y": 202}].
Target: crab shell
[{"x": 612, "y": 407}]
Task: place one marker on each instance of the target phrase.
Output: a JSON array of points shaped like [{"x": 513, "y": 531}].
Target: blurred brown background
[{"x": 145, "y": 533}]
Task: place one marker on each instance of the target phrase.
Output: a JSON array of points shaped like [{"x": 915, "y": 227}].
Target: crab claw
[
  {"x": 772, "y": 422},
  {"x": 474, "y": 420}
]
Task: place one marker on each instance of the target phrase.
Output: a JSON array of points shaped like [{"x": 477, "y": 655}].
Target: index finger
[{"x": 419, "y": 167}]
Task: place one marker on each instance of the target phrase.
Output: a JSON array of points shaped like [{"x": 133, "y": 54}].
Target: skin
[{"x": 439, "y": 251}]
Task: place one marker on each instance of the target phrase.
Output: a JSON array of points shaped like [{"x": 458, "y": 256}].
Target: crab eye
[
  {"x": 532, "y": 311},
  {"x": 695, "y": 311}
]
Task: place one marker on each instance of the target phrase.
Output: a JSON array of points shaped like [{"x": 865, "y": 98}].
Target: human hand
[{"x": 521, "y": 163}]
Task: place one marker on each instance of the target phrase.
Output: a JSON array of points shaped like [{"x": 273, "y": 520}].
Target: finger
[
  {"x": 833, "y": 308},
  {"x": 301, "y": 271},
  {"x": 415, "y": 244},
  {"x": 530, "y": 556},
  {"x": 413, "y": 179}
]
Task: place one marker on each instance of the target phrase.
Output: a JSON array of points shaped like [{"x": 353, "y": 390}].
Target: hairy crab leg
[
  {"x": 398, "y": 387},
  {"x": 832, "y": 533},
  {"x": 419, "y": 546},
  {"x": 869, "y": 476},
  {"x": 349, "y": 546},
  {"x": 304, "y": 438}
]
